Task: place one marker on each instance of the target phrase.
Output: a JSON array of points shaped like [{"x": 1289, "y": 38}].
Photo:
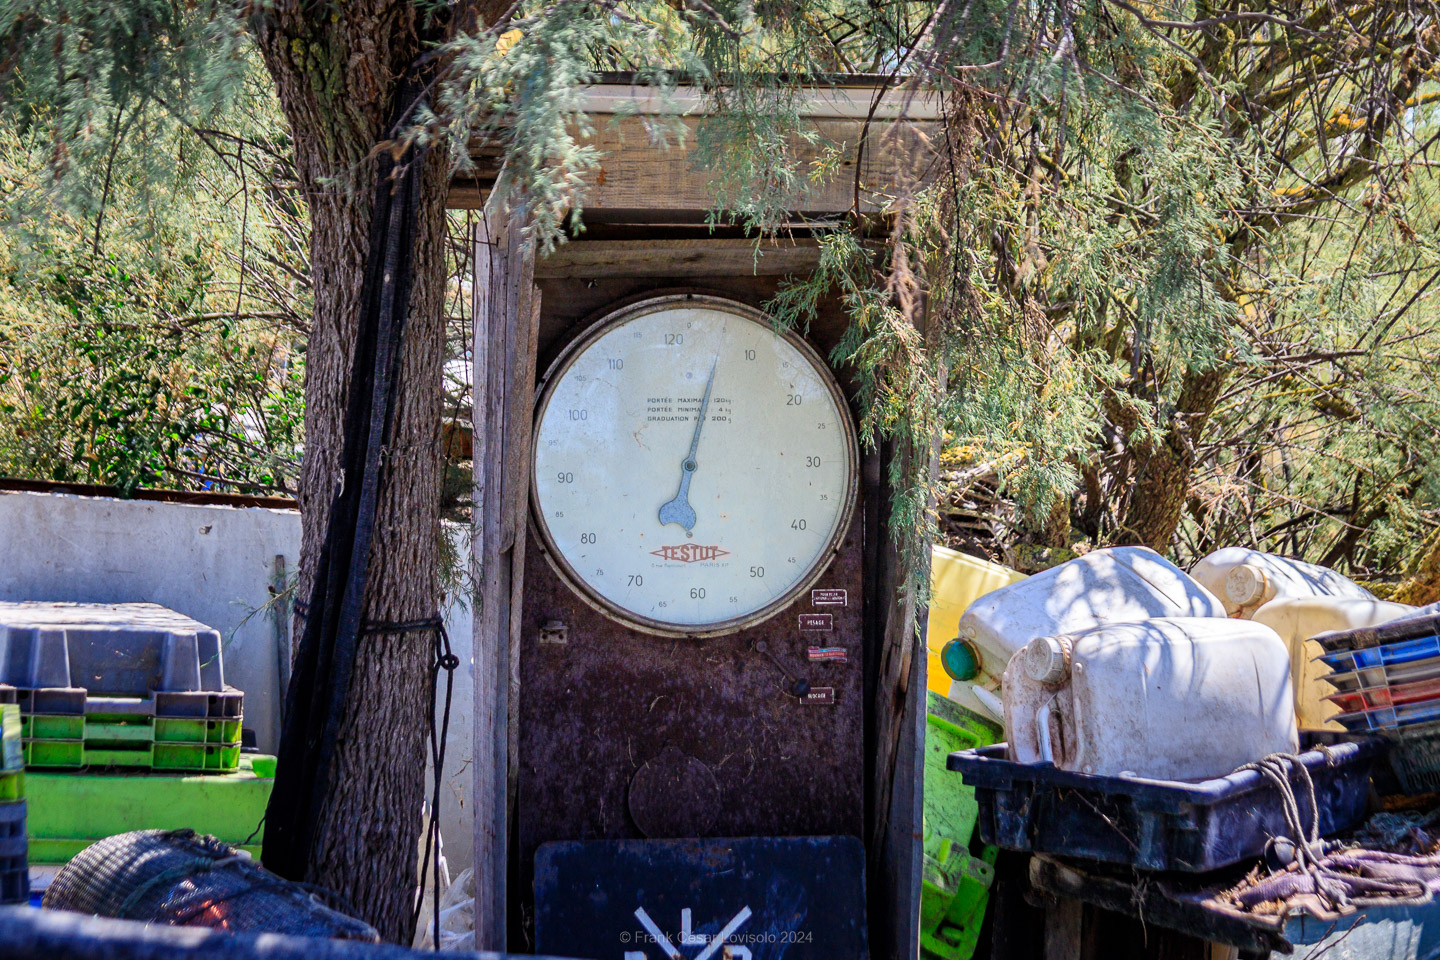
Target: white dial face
[{"x": 694, "y": 470}]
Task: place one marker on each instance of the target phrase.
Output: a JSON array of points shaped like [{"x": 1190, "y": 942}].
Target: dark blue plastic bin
[{"x": 1157, "y": 824}]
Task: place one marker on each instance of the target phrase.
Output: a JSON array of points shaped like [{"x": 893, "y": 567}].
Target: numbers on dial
[{"x": 753, "y": 508}]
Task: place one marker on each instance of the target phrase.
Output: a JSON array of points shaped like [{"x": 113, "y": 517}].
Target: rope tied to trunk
[{"x": 446, "y": 660}]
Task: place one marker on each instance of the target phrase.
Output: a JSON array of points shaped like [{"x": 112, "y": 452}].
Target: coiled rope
[{"x": 1339, "y": 890}]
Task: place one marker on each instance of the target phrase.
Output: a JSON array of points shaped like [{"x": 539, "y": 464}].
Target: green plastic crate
[
  {"x": 12, "y": 786},
  {"x": 197, "y": 756},
  {"x": 69, "y": 811},
  {"x": 55, "y": 753},
  {"x": 75, "y": 754},
  {"x": 123, "y": 740},
  {"x": 40, "y": 726},
  {"x": 955, "y": 885},
  {"x": 172, "y": 730}
]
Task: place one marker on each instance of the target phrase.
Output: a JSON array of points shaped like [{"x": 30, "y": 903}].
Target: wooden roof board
[{"x": 647, "y": 173}]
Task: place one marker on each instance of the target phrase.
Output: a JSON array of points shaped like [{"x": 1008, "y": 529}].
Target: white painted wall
[{"x": 214, "y": 564}]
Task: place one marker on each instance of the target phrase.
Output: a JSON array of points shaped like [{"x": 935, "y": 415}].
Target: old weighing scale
[
  {"x": 691, "y": 777},
  {"x": 698, "y": 715}
]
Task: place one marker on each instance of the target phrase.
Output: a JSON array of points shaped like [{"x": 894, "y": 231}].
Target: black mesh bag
[{"x": 180, "y": 878}]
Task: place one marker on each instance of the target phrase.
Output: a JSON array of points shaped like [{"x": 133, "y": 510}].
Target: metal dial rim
[{"x": 555, "y": 373}]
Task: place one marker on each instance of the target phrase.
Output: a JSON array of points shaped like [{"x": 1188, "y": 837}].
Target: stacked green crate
[
  {"x": 132, "y": 739},
  {"x": 955, "y": 887},
  {"x": 119, "y": 685},
  {"x": 14, "y": 861}
]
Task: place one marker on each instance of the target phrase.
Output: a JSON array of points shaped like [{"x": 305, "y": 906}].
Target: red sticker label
[
  {"x": 829, "y": 598},
  {"x": 822, "y": 654},
  {"x": 817, "y": 621},
  {"x": 820, "y": 695}
]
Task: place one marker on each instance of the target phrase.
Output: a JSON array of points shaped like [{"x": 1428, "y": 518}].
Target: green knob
[{"x": 960, "y": 659}]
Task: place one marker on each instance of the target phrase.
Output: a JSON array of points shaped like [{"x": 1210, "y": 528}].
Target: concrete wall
[{"x": 215, "y": 564}]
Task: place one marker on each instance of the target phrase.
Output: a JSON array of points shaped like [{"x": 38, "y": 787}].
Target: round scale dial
[{"x": 694, "y": 470}]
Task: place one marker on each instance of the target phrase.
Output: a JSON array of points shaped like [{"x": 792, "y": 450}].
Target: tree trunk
[
  {"x": 336, "y": 77},
  {"x": 1423, "y": 587},
  {"x": 1162, "y": 470}
]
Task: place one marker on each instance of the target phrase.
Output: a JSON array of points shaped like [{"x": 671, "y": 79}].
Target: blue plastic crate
[
  {"x": 1388, "y": 718},
  {"x": 1385, "y": 675},
  {"x": 1407, "y": 651}
]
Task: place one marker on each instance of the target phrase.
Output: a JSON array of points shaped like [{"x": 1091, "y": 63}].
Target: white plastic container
[
  {"x": 1114, "y": 585},
  {"x": 956, "y": 581},
  {"x": 1166, "y": 699},
  {"x": 1296, "y": 620},
  {"x": 1245, "y": 579}
]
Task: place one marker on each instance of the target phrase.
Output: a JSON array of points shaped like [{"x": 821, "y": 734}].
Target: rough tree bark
[
  {"x": 1163, "y": 469},
  {"x": 336, "y": 71}
]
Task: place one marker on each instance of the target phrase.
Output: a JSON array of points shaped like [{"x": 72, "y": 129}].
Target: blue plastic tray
[
  {"x": 1385, "y": 675},
  {"x": 1407, "y": 651},
  {"x": 1161, "y": 824},
  {"x": 1386, "y": 718}
]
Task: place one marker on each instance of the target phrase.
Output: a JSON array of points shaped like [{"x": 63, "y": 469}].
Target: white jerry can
[
  {"x": 1245, "y": 579},
  {"x": 1167, "y": 699},
  {"x": 1113, "y": 585},
  {"x": 1297, "y": 600}
]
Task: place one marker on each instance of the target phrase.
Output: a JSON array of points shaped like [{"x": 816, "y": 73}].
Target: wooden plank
[
  {"x": 491, "y": 696},
  {"x": 896, "y": 740},
  {"x": 1017, "y": 928},
  {"x": 505, "y": 311},
  {"x": 520, "y": 335},
  {"x": 677, "y": 258},
  {"x": 899, "y": 708},
  {"x": 646, "y": 178},
  {"x": 637, "y": 173},
  {"x": 1173, "y": 903},
  {"x": 1063, "y": 924},
  {"x": 840, "y": 101},
  {"x": 467, "y": 194}
]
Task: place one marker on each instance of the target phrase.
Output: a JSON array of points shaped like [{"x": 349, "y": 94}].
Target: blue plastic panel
[
  {"x": 800, "y": 898},
  {"x": 1407, "y": 651},
  {"x": 1384, "y": 718},
  {"x": 1385, "y": 675}
]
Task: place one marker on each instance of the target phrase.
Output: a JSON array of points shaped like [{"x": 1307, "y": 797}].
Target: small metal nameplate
[
  {"x": 829, "y": 598},
  {"x": 817, "y": 621},
  {"x": 826, "y": 654},
  {"x": 820, "y": 696}
]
